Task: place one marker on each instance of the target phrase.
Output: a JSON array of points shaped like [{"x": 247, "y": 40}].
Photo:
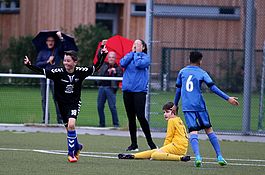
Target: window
[
  {"x": 9, "y": 6},
  {"x": 108, "y": 15},
  {"x": 138, "y": 9},
  {"x": 189, "y": 11}
]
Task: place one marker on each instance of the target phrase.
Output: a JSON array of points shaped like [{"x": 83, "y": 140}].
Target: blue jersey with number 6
[{"x": 190, "y": 79}]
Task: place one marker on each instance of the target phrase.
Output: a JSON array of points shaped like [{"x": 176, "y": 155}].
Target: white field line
[
  {"x": 83, "y": 152},
  {"x": 103, "y": 155},
  {"x": 65, "y": 153},
  {"x": 237, "y": 164},
  {"x": 243, "y": 160}
]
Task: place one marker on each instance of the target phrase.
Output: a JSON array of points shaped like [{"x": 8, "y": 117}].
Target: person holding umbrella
[
  {"x": 50, "y": 46},
  {"x": 134, "y": 86}
]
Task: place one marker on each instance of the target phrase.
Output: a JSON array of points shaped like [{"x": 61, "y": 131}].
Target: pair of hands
[
  {"x": 112, "y": 70},
  {"x": 137, "y": 47},
  {"x": 27, "y": 61}
]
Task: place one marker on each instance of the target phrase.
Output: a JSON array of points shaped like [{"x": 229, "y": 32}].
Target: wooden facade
[{"x": 36, "y": 15}]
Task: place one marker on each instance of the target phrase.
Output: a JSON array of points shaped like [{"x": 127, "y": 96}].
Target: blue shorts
[{"x": 197, "y": 120}]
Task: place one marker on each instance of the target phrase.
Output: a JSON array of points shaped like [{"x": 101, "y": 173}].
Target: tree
[
  {"x": 16, "y": 51},
  {"x": 87, "y": 39}
]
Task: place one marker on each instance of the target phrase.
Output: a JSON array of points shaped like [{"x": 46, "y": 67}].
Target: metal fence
[
  {"x": 20, "y": 101},
  {"x": 229, "y": 34}
]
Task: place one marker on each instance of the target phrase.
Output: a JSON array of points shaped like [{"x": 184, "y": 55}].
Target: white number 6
[{"x": 189, "y": 84}]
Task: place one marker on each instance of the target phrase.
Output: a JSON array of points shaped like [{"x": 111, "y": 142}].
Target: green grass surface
[
  {"x": 23, "y": 105},
  {"x": 28, "y": 162}
]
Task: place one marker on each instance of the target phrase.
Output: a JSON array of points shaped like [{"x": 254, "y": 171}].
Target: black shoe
[
  {"x": 185, "y": 158},
  {"x": 152, "y": 146},
  {"x": 125, "y": 156},
  {"x": 102, "y": 126},
  {"x": 132, "y": 148}
]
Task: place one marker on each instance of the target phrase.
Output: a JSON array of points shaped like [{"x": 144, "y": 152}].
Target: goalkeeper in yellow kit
[{"x": 175, "y": 144}]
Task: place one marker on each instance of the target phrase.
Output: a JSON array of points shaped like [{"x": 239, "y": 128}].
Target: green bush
[
  {"x": 16, "y": 51},
  {"x": 12, "y": 58},
  {"x": 87, "y": 39}
]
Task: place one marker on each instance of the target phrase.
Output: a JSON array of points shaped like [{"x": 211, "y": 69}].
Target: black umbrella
[{"x": 40, "y": 40}]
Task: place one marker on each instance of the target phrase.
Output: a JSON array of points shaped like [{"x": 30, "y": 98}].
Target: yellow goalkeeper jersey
[{"x": 176, "y": 133}]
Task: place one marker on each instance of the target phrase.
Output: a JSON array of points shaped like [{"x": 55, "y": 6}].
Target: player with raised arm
[
  {"x": 176, "y": 142},
  {"x": 188, "y": 87},
  {"x": 67, "y": 90}
]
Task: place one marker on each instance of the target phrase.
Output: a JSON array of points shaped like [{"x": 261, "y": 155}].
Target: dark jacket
[
  {"x": 44, "y": 55},
  {"x": 57, "y": 52},
  {"x": 103, "y": 71}
]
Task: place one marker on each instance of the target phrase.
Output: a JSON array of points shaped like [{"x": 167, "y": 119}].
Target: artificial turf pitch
[{"x": 45, "y": 153}]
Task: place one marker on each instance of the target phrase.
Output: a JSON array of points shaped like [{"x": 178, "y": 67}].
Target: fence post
[
  {"x": 248, "y": 67},
  {"x": 47, "y": 101},
  {"x": 149, "y": 39},
  {"x": 260, "y": 127},
  {"x": 10, "y": 79}
]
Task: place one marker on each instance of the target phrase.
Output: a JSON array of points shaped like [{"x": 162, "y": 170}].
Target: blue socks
[
  {"x": 195, "y": 144},
  {"x": 71, "y": 142},
  {"x": 214, "y": 141}
]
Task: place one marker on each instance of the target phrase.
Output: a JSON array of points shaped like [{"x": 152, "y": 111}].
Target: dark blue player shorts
[{"x": 197, "y": 120}]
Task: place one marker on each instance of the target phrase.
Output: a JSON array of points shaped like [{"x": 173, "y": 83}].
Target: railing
[{"x": 48, "y": 84}]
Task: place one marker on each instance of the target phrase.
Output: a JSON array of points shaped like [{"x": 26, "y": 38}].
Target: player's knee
[
  {"x": 208, "y": 130},
  {"x": 154, "y": 155},
  {"x": 71, "y": 126}
]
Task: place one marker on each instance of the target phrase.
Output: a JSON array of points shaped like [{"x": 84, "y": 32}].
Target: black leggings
[{"x": 135, "y": 106}]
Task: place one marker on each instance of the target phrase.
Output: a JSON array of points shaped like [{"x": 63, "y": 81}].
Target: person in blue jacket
[
  {"x": 134, "y": 86},
  {"x": 49, "y": 58}
]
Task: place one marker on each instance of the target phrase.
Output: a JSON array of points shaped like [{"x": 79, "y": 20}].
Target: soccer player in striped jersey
[
  {"x": 175, "y": 144},
  {"x": 67, "y": 90},
  {"x": 188, "y": 87}
]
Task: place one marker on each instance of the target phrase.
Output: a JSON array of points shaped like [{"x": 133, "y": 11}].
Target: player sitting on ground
[
  {"x": 67, "y": 91},
  {"x": 188, "y": 84},
  {"x": 175, "y": 144}
]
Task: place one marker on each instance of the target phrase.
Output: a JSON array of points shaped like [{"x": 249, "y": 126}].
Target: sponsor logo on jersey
[{"x": 69, "y": 89}]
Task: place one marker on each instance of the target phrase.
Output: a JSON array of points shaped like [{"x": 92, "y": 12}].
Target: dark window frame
[
  {"x": 191, "y": 11},
  {"x": 9, "y": 6}
]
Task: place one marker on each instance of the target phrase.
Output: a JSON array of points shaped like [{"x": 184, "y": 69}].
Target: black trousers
[{"x": 135, "y": 106}]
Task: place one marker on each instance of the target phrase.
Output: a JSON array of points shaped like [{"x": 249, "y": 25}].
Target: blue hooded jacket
[{"x": 135, "y": 77}]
